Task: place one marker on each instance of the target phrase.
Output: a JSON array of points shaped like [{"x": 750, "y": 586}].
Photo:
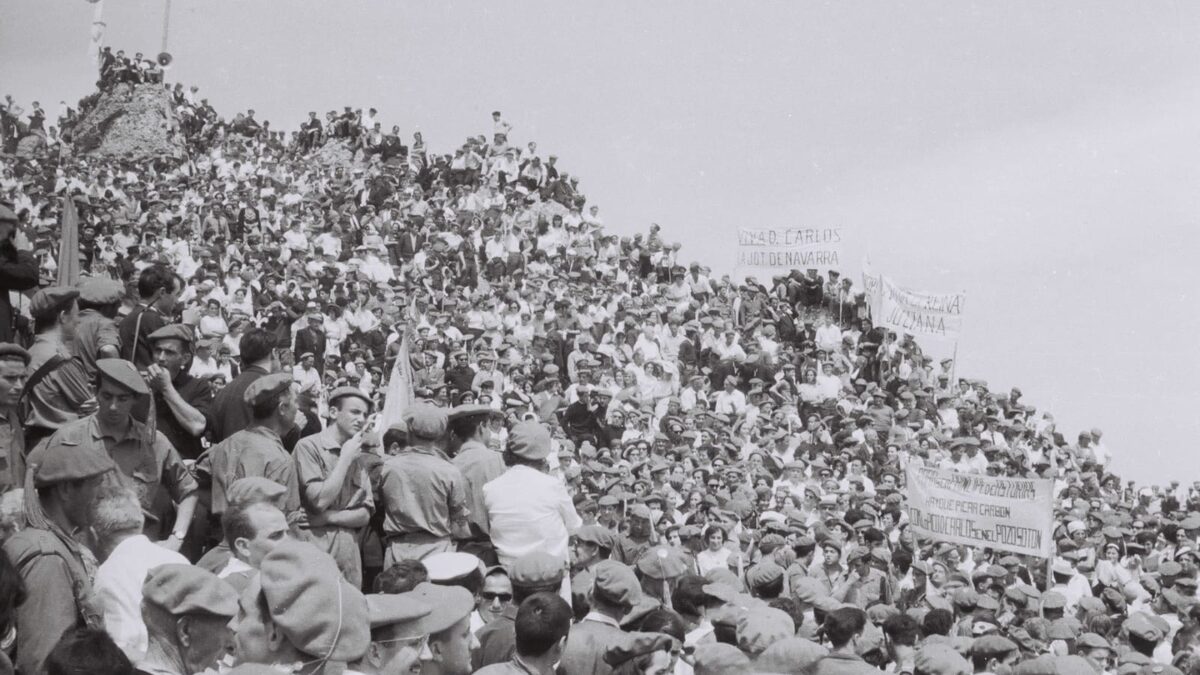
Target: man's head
[
  {"x": 187, "y": 611},
  {"x": 159, "y": 286},
  {"x": 87, "y": 650},
  {"x": 252, "y": 530},
  {"x": 496, "y": 594},
  {"x": 542, "y": 623},
  {"x": 844, "y": 625},
  {"x": 115, "y": 515},
  {"x": 14, "y": 368},
  {"x": 256, "y": 347},
  {"x": 350, "y": 408},
  {"x": 172, "y": 347},
  {"x": 272, "y": 400},
  {"x": 118, "y": 386}
]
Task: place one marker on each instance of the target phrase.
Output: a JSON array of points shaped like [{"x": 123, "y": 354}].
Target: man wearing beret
[
  {"x": 60, "y": 485},
  {"x": 18, "y": 271},
  {"x": 615, "y": 591},
  {"x": 399, "y": 634},
  {"x": 258, "y": 449},
  {"x": 528, "y": 509},
  {"x": 187, "y": 612},
  {"x": 158, "y": 290},
  {"x": 334, "y": 486},
  {"x": 180, "y": 400},
  {"x": 96, "y": 335},
  {"x": 58, "y": 389},
  {"x": 143, "y": 456},
  {"x": 424, "y": 495},
  {"x": 479, "y": 464},
  {"x": 14, "y": 364}
]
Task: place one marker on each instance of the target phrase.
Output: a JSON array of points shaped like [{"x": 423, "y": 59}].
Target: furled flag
[
  {"x": 68, "y": 249},
  {"x": 399, "y": 396}
]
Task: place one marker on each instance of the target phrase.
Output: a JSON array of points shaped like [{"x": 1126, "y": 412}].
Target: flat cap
[
  {"x": 122, "y": 373},
  {"x": 468, "y": 410},
  {"x": 100, "y": 291},
  {"x": 187, "y": 589},
  {"x": 252, "y": 489},
  {"x": 790, "y": 655},
  {"x": 173, "y": 331},
  {"x": 598, "y": 535},
  {"x": 341, "y": 392},
  {"x": 762, "y": 573},
  {"x": 1092, "y": 641},
  {"x": 992, "y": 646},
  {"x": 760, "y": 628},
  {"x": 317, "y": 611},
  {"x": 60, "y": 461},
  {"x": 261, "y": 390},
  {"x": 450, "y": 604},
  {"x": 14, "y": 352},
  {"x": 51, "y": 300},
  {"x": 616, "y": 582},
  {"x": 426, "y": 421},
  {"x": 402, "y": 610},
  {"x": 718, "y": 658},
  {"x": 941, "y": 659},
  {"x": 661, "y": 562},
  {"x": 529, "y": 440},
  {"x": 537, "y": 570},
  {"x": 1141, "y": 625},
  {"x": 1053, "y": 600}
]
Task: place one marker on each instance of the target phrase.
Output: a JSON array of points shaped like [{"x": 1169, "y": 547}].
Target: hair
[
  {"x": 543, "y": 620},
  {"x": 235, "y": 522},
  {"x": 391, "y": 436},
  {"x": 154, "y": 279},
  {"x": 256, "y": 344},
  {"x": 689, "y": 597},
  {"x": 463, "y": 428},
  {"x": 87, "y": 651},
  {"x": 802, "y": 550},
  {"x": 708, "y": 532},
  {"x": 665, "y": 621},
  {"x": 263, "y": 410},
  {"x": 901, "y": 629},
  {"x": 770, "y": 590},
  {"x": 401, "y": 577},
  {"x": 937, "y": 622},
  {"x": 844, "y": 623},
  {"x": 116, "y": 509},
  {"x": 12, "y": 592}
]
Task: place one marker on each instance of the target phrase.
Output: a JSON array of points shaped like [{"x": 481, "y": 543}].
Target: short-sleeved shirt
[
  {"x": 479, "y": 465},
  {"x": 315, "y": 456},
  {"x": 256, "y": 451},
  {"x": 57, "y": 398},
  {"x": 93, "y": 331},
  {"x": 422, "y": 493},
  {"x": 196, "y": 392}
]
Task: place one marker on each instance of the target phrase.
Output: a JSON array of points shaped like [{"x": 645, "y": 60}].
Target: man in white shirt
[
  {"x": 128, "y": 555},
  {"x": 306, "y": 375},
  {"x": 730, "y": 401},
  {"x": 527, "y": 509}
]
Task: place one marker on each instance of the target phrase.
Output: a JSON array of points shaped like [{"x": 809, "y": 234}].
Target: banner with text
[
  {"x": 776, "y": 251},
  {"x": 1015, "y": 515},
  {"x": 919, "y": 313}
]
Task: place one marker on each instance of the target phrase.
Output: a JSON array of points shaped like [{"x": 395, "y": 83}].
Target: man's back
[
  {"x": 228, "y": 413},
  {"x": 586, "y": 644},
  {"x": 256, "y": 451},
  {"x": 479, "y": 465},
  {"x": 50, "y": 571},
  {"x": 422, "y": 492},
  {"x": 843, "y": 664}
]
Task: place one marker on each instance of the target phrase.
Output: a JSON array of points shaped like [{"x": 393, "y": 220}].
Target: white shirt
[
  {"x": 529, "y": 511},
  {"x": 118, "y": 588}
]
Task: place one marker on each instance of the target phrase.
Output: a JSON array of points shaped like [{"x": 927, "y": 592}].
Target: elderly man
[
  {"x": 187, "y": 612},
  {"x": 60, "y": 486},
  {"x": 334, "y": 486},
  {"x": 528, "y": 509},
  {"x": 128, "y": 555},
  {"x": 145, "y": 458},
  {"x": 299, "y": 610},
  {"x": 424, "y": 495},
  {"x": 14, "y": 364}
]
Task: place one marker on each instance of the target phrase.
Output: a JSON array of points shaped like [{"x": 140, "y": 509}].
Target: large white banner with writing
[
  {"x": 1015, "y": 515},
  {"x": 917, "y": 312},
  {"x": 776, "y": 251}
]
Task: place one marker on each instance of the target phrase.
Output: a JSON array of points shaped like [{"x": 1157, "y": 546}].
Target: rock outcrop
[{"x": 134, "y": 122}]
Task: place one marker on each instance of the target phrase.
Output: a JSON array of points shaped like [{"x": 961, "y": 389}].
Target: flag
[
  {"x": 68, "y": 249},
  {"x": 399, "y": 395},
  {"x": 96, "y": 40}
]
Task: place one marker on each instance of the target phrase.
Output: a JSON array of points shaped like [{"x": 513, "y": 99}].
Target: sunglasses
[{"x": 492, "y": 597}]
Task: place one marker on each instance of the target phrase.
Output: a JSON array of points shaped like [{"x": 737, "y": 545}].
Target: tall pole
[
  {"x": 97, "y": 33},
  {"x": 166, "y": 24}
]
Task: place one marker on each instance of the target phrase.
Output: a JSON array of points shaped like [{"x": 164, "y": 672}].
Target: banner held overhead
[{"x": 778, "y": 251}]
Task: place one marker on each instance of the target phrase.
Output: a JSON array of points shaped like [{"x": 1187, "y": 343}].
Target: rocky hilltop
[{"x": 130, "y": 122}]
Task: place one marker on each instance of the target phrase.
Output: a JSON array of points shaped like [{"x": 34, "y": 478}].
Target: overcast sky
[{"x": 1042, "y": 156}]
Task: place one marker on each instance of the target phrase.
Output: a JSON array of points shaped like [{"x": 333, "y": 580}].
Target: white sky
[{"x": 1042, "y": 156}]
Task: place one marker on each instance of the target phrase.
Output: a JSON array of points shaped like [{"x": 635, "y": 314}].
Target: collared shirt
[
  {"x": 315, "y": 457},
  {"x": 479, "y": 465},
  {"x": 118, "y": 587},
  {"x": 422, "y": 493},
  {"x": 256, "y": 451},
  {"x": 529, "y": 511},
  {"x": 57, "y": 399},
  {"x": 93, "y": 330}
]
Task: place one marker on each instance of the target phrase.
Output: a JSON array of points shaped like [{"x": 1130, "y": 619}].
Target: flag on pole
[
  {"x": 68, "y": 250},
  {"x": 399, "y": 396},
  {"x": 97, "y": 35}
]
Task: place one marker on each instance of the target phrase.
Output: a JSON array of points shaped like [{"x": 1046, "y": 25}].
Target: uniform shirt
[
  {"x": 498, "y": 639},
  {"x": 228, "y": 413},
  {"x": 479, "y": 465},
  {"x": 587, "y": 642},
  {"x": 529, "y": 511},
  {"x": 93, "y": 330},
  {"x": 422, "y": 492},
  {"x": 256, "y": 451},
  {"x": 118, "y": 587},
  {"x": 57, "y": 398}
]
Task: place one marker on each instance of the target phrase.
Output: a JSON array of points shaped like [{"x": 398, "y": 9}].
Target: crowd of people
[{"x": 610, "y": 460}]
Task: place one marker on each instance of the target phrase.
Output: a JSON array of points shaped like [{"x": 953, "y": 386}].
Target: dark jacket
[{"x": 18, "y": 272}]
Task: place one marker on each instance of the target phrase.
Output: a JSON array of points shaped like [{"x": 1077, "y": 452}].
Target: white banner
[
  {"x": 916, "y": 312},
  {"x": 1015, "y": 515},
  {"x": 776, "y": 251}
]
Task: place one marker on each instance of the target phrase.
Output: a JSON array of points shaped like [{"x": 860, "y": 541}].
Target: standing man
[
  {"x": 14, "y": 363},
  {"x": 258, "y": 450},
  {"x": 145, "y": 458},
  {"x": 479, "y": 464},
  {"x": 18, "y": 271},
  {"x": 180, "y": 400},
  {"x": 60, "y": 485},
  {"x": 158, "y": 291},
  {"x": 58, "y": 390},
  {"x": 528, "y": 509},
  {"x": 424, "y": 495},
  {"x": 96, "y": 335},
  {"x": 334, "y": 486},
  {"x": 310, "y": 340},
  {"x": 229, "y": 413}
]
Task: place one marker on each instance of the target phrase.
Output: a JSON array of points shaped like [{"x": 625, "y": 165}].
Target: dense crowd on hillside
[{"x": 613, "y": 460}]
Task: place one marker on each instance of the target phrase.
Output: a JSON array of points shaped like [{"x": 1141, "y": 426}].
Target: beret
[
  {"x": 403, "y": 610},
  {"x": 451, "y": 565},
  {"x": 254, "y": 489},
  {"x": 60, "y": 461},
  {"x": 763, "y": 573},
  {"x": 173, "y": 331},
  {"x": 100, "y": 291},
  {"x": 718, "y": 658},
  {"x": 759, "y": 629},
  {"x": 790, "y": 655},
  {"x": 316, "y": 610},
  {"x": 14, "y": 352},
  {"x": 529, "y": 440},
  {"x": 1092, "y": 641},
  {"x": 450, "y": 604},
  {"x": 992, "y": 645},
  {"x": 426, "y": 421},
  {"x": 640, "y": 511},
  {"x": 261, "y": 390},
  {"x": 187, "y": 589},
  {"x": 941, "y": 659},
  {"x": 661, "y": 562},
  {"x": 616, "y": 582},
  {"x": 350, "y": 391},
  {"x": 1061, "y": 629},
  {"x": 598, "y": 535},
  {"x": 468, "y": 410},
  {"x": 1053, "y": 600},
  {"x": 49, "y": 301},
  {"x": 536, "y": 570}
]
